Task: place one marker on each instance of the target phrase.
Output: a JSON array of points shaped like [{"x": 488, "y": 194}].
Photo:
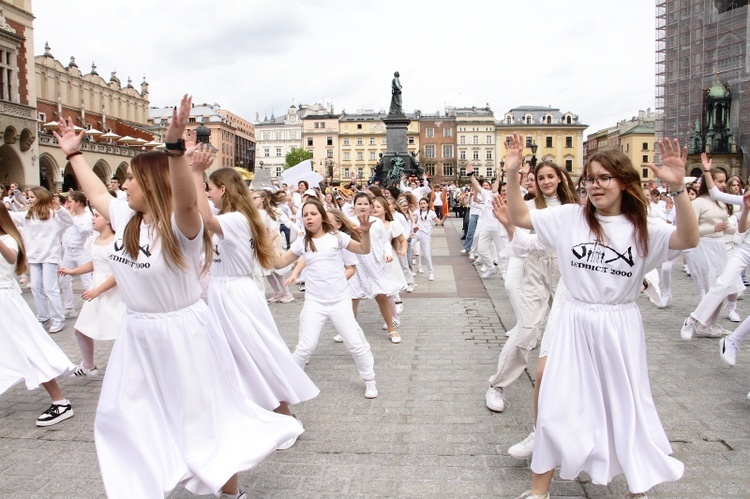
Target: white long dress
[
  {"x": 372, "y": 277},
  {"x": 596, "y": 413},
  {"x": 101, "y": 317},
  {"x": 265, "y": 363},
  {"x": 27, "y": 352},
  {"x": 172, "y": 408}
]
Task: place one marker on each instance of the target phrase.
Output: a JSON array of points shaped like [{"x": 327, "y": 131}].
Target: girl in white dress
[
  {"x": 382, "y": 211},
  {"x": 74, "y": 241},
  {"x": 103, "y": 310},
  {"x": 407, "y": 224},
  {"x": 327, "y": 295},
  {"x": 26, "y": 350},
  {"x": 272, "y": 379},
  {"x": 596, "y": 413},
  {"x": 423, "y": 230},
  {"x": 42, "y": 226},
  {"x": 172, "y": 409}
]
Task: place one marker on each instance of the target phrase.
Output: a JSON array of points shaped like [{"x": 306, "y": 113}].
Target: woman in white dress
[
  {"x": 272, "y": 379},
  {"x": 103, "y": 310},
  {"x": 172, "y": 408},
  {"x": 382, "y": 211},
  {"x": 26, "y": 350},
  {"x": 596, "y": 413}
]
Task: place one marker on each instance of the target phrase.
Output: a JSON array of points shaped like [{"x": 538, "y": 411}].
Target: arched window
[
  {"x": 548, "y": 119},
  {"x": 527, "y": 119}
]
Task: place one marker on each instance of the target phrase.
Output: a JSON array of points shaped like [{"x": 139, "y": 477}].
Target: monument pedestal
[{"x": 396, "y": 161}]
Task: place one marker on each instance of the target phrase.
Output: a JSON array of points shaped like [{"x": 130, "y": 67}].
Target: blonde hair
[{"x": 41, "y": 208}]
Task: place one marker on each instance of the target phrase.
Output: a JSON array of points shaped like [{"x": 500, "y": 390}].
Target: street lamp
[
  {"x": 533, "y": 148},
  {"x": 502, "y": 170}
]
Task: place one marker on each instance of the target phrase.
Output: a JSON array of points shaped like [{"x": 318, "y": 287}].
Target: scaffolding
[{"x": 698, "y": 41}]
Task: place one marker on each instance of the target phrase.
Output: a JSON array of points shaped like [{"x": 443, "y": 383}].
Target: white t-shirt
[
  {"x": 489, "y": 222},
  {"x": 234, "y": 251},
  {"x": 77, "y": 234},
  {"x": 43, "y": 238},
  {"x": 599, "y": 272},
  {"x": 325, "y": 281},
  {"x": 147, "y": 284},
  {"x": 8, "y": 270},
  {"x": 424, "y": 222}
]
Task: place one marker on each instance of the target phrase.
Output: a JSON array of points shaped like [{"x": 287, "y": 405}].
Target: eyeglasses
[{"x": 602, "y": 180}]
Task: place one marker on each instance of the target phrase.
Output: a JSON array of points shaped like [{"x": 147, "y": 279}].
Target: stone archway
[
  {"x": 102, "y": 170},
  {"x": 122, "y": 169},
  {"x": 47, "y": 170},
  {"x": 11, "y": 166}
]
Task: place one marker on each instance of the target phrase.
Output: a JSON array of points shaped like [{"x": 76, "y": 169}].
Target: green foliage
[{"x": 296, "y": 156}]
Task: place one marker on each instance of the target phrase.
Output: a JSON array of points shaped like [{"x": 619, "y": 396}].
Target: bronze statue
[{"x": 396, "y": 105}]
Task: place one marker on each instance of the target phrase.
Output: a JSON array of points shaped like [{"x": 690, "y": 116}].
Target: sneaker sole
[{"x": 67, "y": 415}]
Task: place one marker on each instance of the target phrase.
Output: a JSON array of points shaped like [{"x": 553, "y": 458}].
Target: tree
[{"x": 296, "y": 156}]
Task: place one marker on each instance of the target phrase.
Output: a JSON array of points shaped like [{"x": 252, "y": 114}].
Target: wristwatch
[{"x": 175, "y": 149}]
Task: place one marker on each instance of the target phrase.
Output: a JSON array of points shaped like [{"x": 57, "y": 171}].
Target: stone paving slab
[{"x": 428, "y": 434}]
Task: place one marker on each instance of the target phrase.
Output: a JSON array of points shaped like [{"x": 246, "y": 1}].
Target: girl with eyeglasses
[{"x": 596, "y": 413}]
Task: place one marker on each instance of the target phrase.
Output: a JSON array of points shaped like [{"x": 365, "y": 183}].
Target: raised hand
[
  {"x": 191, "y": 142},
  {"x": 706, "y": 162},
  {"x": 202, "y": 159},
  {"x": 500, "y": 210},
  {"x": 674, "y": 158},
  {"x": 180, "y": 117},
  {"x": 514, "y": 153},
  {"x": 364, "y": 222},
  {"x": 67, "y": 138}
]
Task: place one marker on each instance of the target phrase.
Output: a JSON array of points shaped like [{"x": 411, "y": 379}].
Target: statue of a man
[{"x": 396, "y": 106}]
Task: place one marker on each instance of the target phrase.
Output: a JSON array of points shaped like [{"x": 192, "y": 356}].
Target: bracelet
[
  {"x": 74, "y": 153},
  {"x": 174, "y": 154},
  {"x": 470, "y": 174},
  {"x": 674, "y": 194},
  {"x": 706, "y": 171}
]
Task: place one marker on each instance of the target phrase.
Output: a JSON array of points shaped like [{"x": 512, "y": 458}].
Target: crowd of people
[{"x": 175, "y": 265}]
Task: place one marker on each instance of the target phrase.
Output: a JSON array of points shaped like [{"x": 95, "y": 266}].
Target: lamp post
[
  {"x": 502, "y": 171},
  {"x": 533, "y": 148}
]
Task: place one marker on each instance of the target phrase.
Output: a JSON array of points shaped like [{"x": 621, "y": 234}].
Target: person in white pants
[{"x": 74, "y": 254}]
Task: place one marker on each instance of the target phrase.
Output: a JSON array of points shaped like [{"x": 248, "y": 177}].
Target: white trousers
[
  {"x": 726, "y": 284},
  {"x": 45, "y": 291},
  {"x": 311, "y": 321},
  {"x": 513, "y": 281},
  {"x": 425, "y": 247},
  {"x": 73, "y": 257},
  {"x": 489, "y": 246}
]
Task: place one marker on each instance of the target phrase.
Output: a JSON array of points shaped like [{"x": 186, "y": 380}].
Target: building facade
[
  {"x": 558, "y": 136},
  {"x": 275, "y": 137},
  {"x": 696, "y": 42},
  {"x": 437, "y": 146},
  {"x": 320, "y": 137},
  {"x": 476, "y": 143}
]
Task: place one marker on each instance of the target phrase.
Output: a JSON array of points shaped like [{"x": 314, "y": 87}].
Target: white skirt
[
  {"x": 101, "y": 317},
  {"x": 372, "y": 278},
  {"x": 596, "y": 413},
  {"x": 707, "y": 262},
  {"x": 27, "y": 352},
  {"x": 171, "y": 409},
  {"x": 267, "y": 370}
]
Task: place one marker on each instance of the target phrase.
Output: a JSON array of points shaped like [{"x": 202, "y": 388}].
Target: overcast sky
[{"x": 594, "y": 58}]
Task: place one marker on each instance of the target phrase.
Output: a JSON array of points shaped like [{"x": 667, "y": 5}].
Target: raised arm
[
  {"x": 95, "y": 190},
  {"x": 519, "y": 212},
  {"x": 708, "y": 177},
  {"x": 184, "y": 197},
  {"x": 742, "y": 220},
  {"x": 672, "y": 173},
  {"x": 201, "y": 160}
]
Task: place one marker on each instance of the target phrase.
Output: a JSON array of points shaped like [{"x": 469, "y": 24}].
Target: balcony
[{"x": 91, "y": 146}]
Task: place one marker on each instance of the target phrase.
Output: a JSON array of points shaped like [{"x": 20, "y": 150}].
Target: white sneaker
[
  {"x": 371, "y": 390},
  {"x": 523, "y": 449},
  {"x": 431, "y": 277},
  {"x": 420, "y": 270},
  {"x": 689, "y": 329},
  {"x": 338, "y": 339},
  {"x": 728, "y": 351},
  {"x": 463, "y": 251},
  {"x": 492, "y": 272},
  {"x": 714, "y": 331},
  {"x": 56, "y": 327},
  {"x": 399, "y": 307},
  {"x": 733, "y": 316},
  {"x": 666, "y": 300},
  {"x": 409, "y": 288},
  {"x": 495, "y": 399},
  {"x": 396, "y": 323},
  {"x": 82, "y": 372},
  {"x": 70, "y": 313},
  {"x": 472, "y": 256}
]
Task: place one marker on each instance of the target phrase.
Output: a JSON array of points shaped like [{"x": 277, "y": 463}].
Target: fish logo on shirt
[
  {"x": 146, "y": 249},
  {"x": 596, "y": 252}
]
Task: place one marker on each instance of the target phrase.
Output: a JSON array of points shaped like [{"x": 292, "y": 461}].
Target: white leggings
[
  {"x": 311, "y": 321},
  {"x": 425, "y": 246},
  {"x": 73, "y": 257}
]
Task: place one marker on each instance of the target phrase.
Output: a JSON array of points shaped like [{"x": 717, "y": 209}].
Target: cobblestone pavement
[{"x": 429, "y": 433}]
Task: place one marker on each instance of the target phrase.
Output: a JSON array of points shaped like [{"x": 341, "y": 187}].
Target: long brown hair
[
  {"x": 703, "y": 190},
  {"x": 41, "y": 208},
  {"x": 268, "y": 203},
  {"x": 566, "y": 189},
  {"x": 347, "y": 227},
  {"x": 634, "y": 204},
  {"x": 237, "y": 198},
  {"x": 151, "y": 171},
  {"x": 8, "y": 227},
  {"x": 326, "y": 224}
]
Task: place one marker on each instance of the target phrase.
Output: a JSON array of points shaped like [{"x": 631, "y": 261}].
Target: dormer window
[
  {"x": 548, "y": 119},
  {"x": 568, "y": 120},
  {"x": 527, "y": 119}
]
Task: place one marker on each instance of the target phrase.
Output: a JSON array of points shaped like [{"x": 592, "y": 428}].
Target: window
[
  {"x": 627, "y": 147},
  {"x": 191, "y": 119},
  {"x": 462, "y": 171},
  {"x": 266, "y": 152},
  {"x": 345, "y": 172},
  {"x": 508, "y": 120},
  {"x": 346, "y": 142},
  {"x": 278, "y": 152},
  {"x": 310, "y": 141},
  {"x": 315, "y": 124},
  {"x": 490, "y": 172},
  {"x": 475, "y": 155},
  {"x": 527, "y": 119},
  {"x": 448, "y": 169},
  {"x": 372, "y": 141},
  {"x": 569, "y": 165},
  {"x": 548, "y": 142},
  {"x": 475, "y": 139},
  {"x": 329, "y": 153},
  {"x": 329, "y": 141},
  {"x": 462, "y": 154},
  {"x": 528, "y": 141},
  {"x": 411, "y": 141},
  {"x": 447, "y": 150},
  {"x": 645, "y": 146},
  {"x": 346, "y": 156},
  {"x": 462, "y": 139},
  {"x": 430, "y": 170},
  {"x": 447, "y": 132},
  {"x": 548, "y": 119},
  {"x": 429, "y": 151},
  {"x": 489, "y": 154},
  {"x": 360, "y": 141},
  {"x": 645, "y": 158},
  {"x": 568, "y": 120},
  {"x": 279, "y": 169},
  {"x": 489, "y": 139},
  {"x": 372, "y": 156},
  {"x": 360, "y": 156},
  {"x": 645, "y": 173},
  {"x": 430, "y": 133},
  {"x": 360, "y": 172},
  {"x": 359, "y": 126},
  {"x": 568, "y": 142}
]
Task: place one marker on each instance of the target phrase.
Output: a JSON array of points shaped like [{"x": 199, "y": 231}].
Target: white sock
[{"x": 61, "y": 402}]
